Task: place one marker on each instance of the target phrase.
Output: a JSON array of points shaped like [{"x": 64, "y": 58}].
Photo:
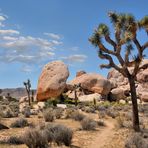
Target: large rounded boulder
[
  {"x": 93, "y": 82},
  {"x": 52, "y": 80}
]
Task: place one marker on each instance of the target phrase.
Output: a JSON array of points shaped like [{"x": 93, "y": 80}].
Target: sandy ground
[{"x": 102, "y": 137}]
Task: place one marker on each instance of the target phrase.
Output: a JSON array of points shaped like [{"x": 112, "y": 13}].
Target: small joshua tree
[
  {"x": 76, "y": 88},
  {"x": 1, "y": 91},
  {"x": 32, "y": 95},
  {"x": 28, "y": 86},
  {"x": 126, "y": 28}
]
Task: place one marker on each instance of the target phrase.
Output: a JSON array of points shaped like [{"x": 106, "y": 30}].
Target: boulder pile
[{"x": 52, "y": 83}]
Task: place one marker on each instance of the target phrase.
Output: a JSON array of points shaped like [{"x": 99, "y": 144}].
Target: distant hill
[{"x": 15, "y": 92}]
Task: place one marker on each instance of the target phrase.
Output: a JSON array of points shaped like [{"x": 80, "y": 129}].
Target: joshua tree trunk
[
  {"x": 76, "y": 98},
  {"x": 29, "y": 99},
  {"x": 134, "y": 104}
]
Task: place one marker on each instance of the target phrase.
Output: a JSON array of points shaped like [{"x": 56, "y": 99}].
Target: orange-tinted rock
[
  {"x": 52, "y": 80},
  {"x": 93, "y": 82},
  {"x": 80, "y": 73}
]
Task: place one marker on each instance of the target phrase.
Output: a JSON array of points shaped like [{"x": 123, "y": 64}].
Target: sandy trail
[{"x": 104, "y": 136}]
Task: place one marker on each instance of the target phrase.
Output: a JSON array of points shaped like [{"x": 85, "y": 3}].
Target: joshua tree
[
  {"x": 1, "y": 91},
  {"x": 28, "y": 86},
  {"x": 125, "y": 27},
  {"x": 76, "y": 88},
  {"x": 32, "y": 95}
]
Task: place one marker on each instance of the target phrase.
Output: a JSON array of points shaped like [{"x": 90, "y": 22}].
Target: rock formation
[
  {"x": 92, "y": 83},
  {"x": 122, "y": 88}
]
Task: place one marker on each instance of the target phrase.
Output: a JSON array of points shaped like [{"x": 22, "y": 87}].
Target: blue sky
[{"x": 35, "y": 32}]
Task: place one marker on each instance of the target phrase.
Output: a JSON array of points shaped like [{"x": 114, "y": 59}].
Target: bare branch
[
  {"x": 126, "y": 59},
  {"x": 110, "y": 41},
  {"x": 117, "y": 33},
  {"x": 145, "y": 46},
  {"x": 103, "y": 48},
  {"x": 105, "y": 66},
  {"x": 111, "y": 63},
  {"x": 139, "y": 47}
]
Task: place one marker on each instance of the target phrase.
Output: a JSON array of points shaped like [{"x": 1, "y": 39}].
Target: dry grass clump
[
  {"x": 58, "y": 112},
  {"x": 69, "y": 112},
  {"x": 35, "y": 138},
  {"x": 40, "y": 136},
  {"x": 102, "y": 114},
  {"x": 59, "y": 134},
  {"x": 3, "y": 126},
  {"x": 112, "y": 113},
  {"x": 27, "y": 112},
  {"x": 20, "y": 122},
  {"x": 7, "y": 113},
  {"x": 48, "y": 115},
  {"x": 77, "y": 116},
  {"x": 12, "y": 140},
  {"x": 136, "y": 141},
  {"x": 120, "y": 122},
  {"x": 100, "y": 123},
  {"x": 88, "y": 109},
  {"x": 88, "y": 124}
]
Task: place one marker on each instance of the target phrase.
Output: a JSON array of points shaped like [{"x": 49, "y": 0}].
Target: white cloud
[
  {"x": 75, "y": 58},
  {"x": 74, "y": 48},
  {"x": 26, "y": 68},
  {"x": 2, "y": 18},
  {"x": 22, "y": 43},
  {"x": 53, "y": 36},
  {"x": 9, "y": 32},
  {"x": 9, "y": 38},
  {"x": 31, "y": 51}
]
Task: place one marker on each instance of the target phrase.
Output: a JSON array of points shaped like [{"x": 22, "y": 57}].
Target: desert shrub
[
  {"x": 105, "y": 104},
  {"x": 102, "y": 114},
  {"x": 101, "y": 108},
  {"x": 77, "y": 116},
  {"x": 35, "y": 138},
  {"x": 88, "y": 109},
  {"x": 18, "y": 123},
  {"x": 1, "y": 98},
  {"x": 14, "y": 140},
  {"x": 58, "y": 112},
  {"x": 59, "y": 134},
  {"x": 7, "y": 113},
  {"x": 136, "y": 141},
  {"x": 112, "y": 113},
  {"x": 3, "y": 126},
  {"x": 48, "y": 115},
  {"x": 69, "y": 112},
  {"x": 128, "y": 116},
  {"x": 27, "y": 112},
  {"x": 100, "y": 123},
  {"x": 11, "y": 140},
  {"x": 119, "y": 122},
  {"x": 88, "y": 124},
  {"x": 51, "y": 102}
]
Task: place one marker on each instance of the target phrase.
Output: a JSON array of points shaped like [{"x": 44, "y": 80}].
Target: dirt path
[{"x": 104, "y": 136}]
